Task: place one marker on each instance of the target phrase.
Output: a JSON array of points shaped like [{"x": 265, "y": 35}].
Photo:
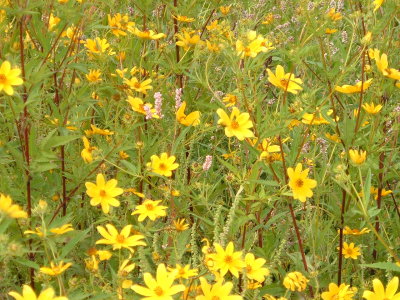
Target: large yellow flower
[
  {"x": 103, "y": 193},
  {"x": 55, "y": 270},
  {"x": 163, "y": 165},
  {"x": 350, "y": 89},
  {"x": 237, "y": 124},
  {"x": 159, "y": 288},
  {"x": 254, "y": 268},
  {"x": 227, "y": 260},
  {"x": 380, "y": 293},
  {"x": 150, "y": 209},
  {"x": 341, "y": 292},
  {"x": 285, "y": 81},
  {"x": 12, "y": 210},
  {"x": 218, "y": 291},
  {"x": 121, "y": 239},
  {"x": 192, "y": 119},
  {"x": 29, "y": 294},
  {"x": 300, "y": 184},
  {"x": 350, "y": 251},
  {"x": 9, "y": 77}
]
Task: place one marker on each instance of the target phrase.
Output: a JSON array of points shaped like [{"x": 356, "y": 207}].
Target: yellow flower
[
  {"x": 268, "y": 19},
  {"x": 316, "y": 118},
  {"x": 103, "y": 193},
  {"x": 135, "y": 192},
  {"x": 119, "y": 24},
  {"x": 163, "y": 164},
  {"x": 380, "y": 293},
  {"x": 253, "y": 46},
  {"x": 295, "y": 281},
  {"x": 180, "y": 225},
  {"x": 86, "y": 153},
  {"x": 150, "y": 209},
  {"x": 9, "y": 77},
  {"x": 140, "y": 87},
  {"x": 53, "y": 21},
  {"x": 333, "y": 137},
  {"x": 350, "y": 251},
  {"x": 94, "y": 76},
  {"x": 184, "y": 19},
  {"x": 270, "y": 297},
  {"x": 38, "y": 231},
  {"x": 299, "y": 183},
  {"x": 147, "y": 34},
  {"x": 125, "y": 268},
  {"x": 138, "y": 105},
  {"x": 348, "y": 231},
  {"x": 217, "y": 291},
  {"x": 192, "y": 119},
  {"x": 92, "y": 264},
  {"x": 237, "y": 124},
  {"x": 187, "y": 40},
  {"x": 377, "y": 4},
  {"x": 225, "y": 9},
  {"x": 95, "y": 130},
  {"x": 11, "y": 210},
  {"x": 183, "y": 271},
  {"x": 97, "y": 46},
  {"x": 254, "y": 268},
  {"x": 63, "y": 229},
  {"x": 333, "y": 15},
  {"x": 159, "y": 288},
  {"x": 227, "y": 260},
  {"x": 330, "y": 30},
  {"x": 384, "y": 192},
  {"x": 121, "y": 239},
  {"x": 350, "y": 89},
  {"x": 341, "y": 292},
  {"x": 54, "y": 269},
  {"x": 103, "y": 254},
  {"x": 123, "y": 155},
  {"x": 371, "y": 108},
  {"x": 230, "y": 100},
  {"x": 358, "y": 157},
  {"x": 29, "y": 294},
  {"x": 285, "y": 81}
]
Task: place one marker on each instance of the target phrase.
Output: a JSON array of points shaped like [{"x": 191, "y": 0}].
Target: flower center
[
  {"x": 103, "y": 193},
  {"x": 158, "y": 291},
  {"x": 120, "y": 239},
  {"x": 182, "y": 271},
  {"x": 149, "y": 206},
  {"x": 56, "y": 269},
  {"x": 228, "y": 259},
  {"x": 284, "y": 82},
  {"x": 299, "y": 183},
  {"x": 249, "y": 269},
  {"x": 137, "y": 85},
  {"x": 162, "y": 167},
  {"x": 235, "y": 125},
  {"x": 215, "y": 298},
  {"x": 3, "y": 79}
]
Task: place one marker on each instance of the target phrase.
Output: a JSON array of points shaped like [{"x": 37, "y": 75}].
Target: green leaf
[
  {"x": 27, "y": 263},
  {"x": 388, "y": 266},
  {"x": 56, "y": 141},
  {"x": 367, "y": 189},
  {"x": 71, "y": 244}
]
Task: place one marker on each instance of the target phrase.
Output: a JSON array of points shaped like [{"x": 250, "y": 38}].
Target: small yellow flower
[
  {"x": 53, "y": 21},
  {"x": 9, "y": 209},
  {"x": 300, "y": 184},
  {"x": 316, "y": 118},
  {"x": 371, "y": 108},
  {"x": 380, "y": 293},
  {"x": 86, "y": 153},
  {"x": 104, "y": 254},
  {"x": 94, "y": 76},
  {"x": 29, "y": 294},
  {"x": 350, "y": 89},
  {"x": 183, "y": 271},
  {"x": 119, "y": 24},
  {"x": 9, "y": 77},
  {"x": 95, "y": 130},
  {"x": 38, "y": 231},
  {"x": 103, "y": 193},
  {"x": 147, "y": 34},
  {"x": 187, "y": 40},
  {"x": 254, "y": 268},
  {"x": 227, "y": 260},
  {"x": 192, "y": 119},
  {"x": 341, "y": 292},
  {"x": 63, "y": 229},
  {"x": 150, "y": 209},
  {"x": 230, "y": 100},
  {"x": 358, "y": 157},
  {"x": 55, "y": 270},
  {"x": 219, "y": 290},
  {"x": 125, "y": 268},
  {"x": 184, "y": 19},
  {"x": 350, "y": 251},
  {"x": 285, "y": 81},
  {"x": 237, "y": 124},
  {"x": 138, "y": 105},
  {"x": 97, "y": 45},
  {"x": 348, "y": 231},
  {"x": 225, "y": 9},
  {"x": 140, "y": 87},
  {"x": 121, "y": 239},
  {"x": 330, "y": 30},
  {"x": 295, "y": 281},
  {"x": 163, "y": 164},
  {"x": 333, "y": 15},
  {"x": 377, "y": 4},
  {"x": 180, "y": 225}
]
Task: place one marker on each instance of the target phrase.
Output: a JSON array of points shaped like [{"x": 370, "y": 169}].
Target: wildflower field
[{"x": 199, "y": 149}]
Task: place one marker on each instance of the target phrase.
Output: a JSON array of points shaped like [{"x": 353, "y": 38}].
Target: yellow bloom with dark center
[
  {"x": 300, "y": 184},
  {"x": 227, "y": 260},
  {"x": 358, "y": 157},
  {"x": 384, "y": 192},
  {"x": 150, "y": 209},
  {"x": 96, "y": 130},
  {"x": 334, "y": 15},
  {"x": 103, "y": 193},
  {"x": 184, "y": 19},
  {"x": 217, "y": 291},
  {"x": 316, "y": 118},
  {"x": 138, "y": 105},
  {"x": 192, "y": 119},
  {"x": 183, "y": 271},
  {"x": 348, "y": 231},
  {"x": 254, "y": 268},
  {"x": 9, "y": 209},
  {"x": 295, "y": 281},
  {"x": 63, "y": 229},
  {"x": 350, "y": 89},
  {"x": 371, "y": 108},
  {"x": 224, "y": 9},
  {"x": 147, "y": 34},
  {"x": 86, "y": 153},
  {"x": 120, "y": 240},
  {"x": 341, "y": 292},
  {"x": 285, "y": 81},
  {"x": 140, "y": 87},
  {"x": 180, "y": 224},
  {"x": 55, "y": 270},
  {"x": 187, "y": 40},
  {"x": 163, "y": 164},
  {"x": 237, "y": 124},
  {"x": 9, "y": 77},
  {"x": 29, "y": 294},
  {"x": 230, "y": 100},
  {"x": 159, "y": 288},
  {"x": 119, "y": 24},
  {"x": 94, "y": 76},
  {"x": 253, "y": 45},
  {"x": 350, "y": 251},
  {"x": 380, "y": 293},
  {"x": 97, "y": 45}
]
